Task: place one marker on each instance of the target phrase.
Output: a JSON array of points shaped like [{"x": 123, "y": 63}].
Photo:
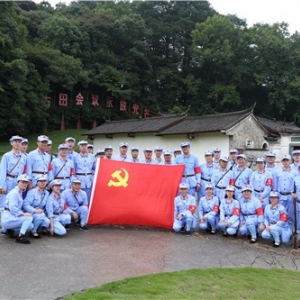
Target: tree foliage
[{"x": 164, "y": 56}]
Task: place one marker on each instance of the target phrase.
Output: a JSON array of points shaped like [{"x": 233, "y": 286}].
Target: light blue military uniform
[
  {"x": 262, "y": 183},
  {"x": 297, "y": 184},
  {"x": 284, "y": 185},
  {"x": 168, "y": 153},
  {"x": 55, "y": 208},
  {"x": 71, "y": 154},
  {"x": 220, "y": 179},
  {"x": 37, "y": 198},
  {"x": 295, "y": 166},
  {"x": 271, "y": 168},
  {"x": 276, "y": 218},
  {"x": 191, "y": 174},
  {"x": 158, "y": 161},
  {"x": 12, "y": 165},
  {"x": 229, "y": 212},
  {"x": 121, "y": 157},
  {"x": 63, "y": 169},
  {"x": 210, "y": 208},
  {"x": 241, "y": 178},
  {"x": 232, "y": 164},
  {"x": 78, "y": 202},
  {"x": 251, "y": 214},
  {"x": 206, "y": 174},
  {"x": 12, "y": 217},
  {"x": 39, "y": 162},
  {"x": 84, "y": 168},
  {"x": 147, "y": 161},
  {"x": 215, "y": 162},
  {"x": 181, "y": 206},
  {"x": 135, "y": 160}
]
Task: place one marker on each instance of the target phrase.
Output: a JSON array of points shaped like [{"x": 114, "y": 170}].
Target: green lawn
[
  {"x": 57, "y": 138},
  {"x": 218, "y": 283}
]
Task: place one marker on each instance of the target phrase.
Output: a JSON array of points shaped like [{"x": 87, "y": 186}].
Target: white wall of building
[{"x": 199, "y": 144}]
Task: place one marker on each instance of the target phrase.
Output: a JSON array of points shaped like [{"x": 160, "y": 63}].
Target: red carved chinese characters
[
  {"x": 146, "y": 112},
  {"x": 109, "y": 102},
  {"x": 95, "y": 99},
  {"x": 79, "y": 99},
  {"x": 63, "y": 100},
  {"x": 135, "y": 109},
  {"x": 123, "y": 105}
]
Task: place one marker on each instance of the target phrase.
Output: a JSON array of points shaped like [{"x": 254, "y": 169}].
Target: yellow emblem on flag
[{"x": 121, "y": 181}]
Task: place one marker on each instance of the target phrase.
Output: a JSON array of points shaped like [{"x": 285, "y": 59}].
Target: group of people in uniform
[
  {"x": 227, "y": 195},
  {"x": 44, "y": 193},
  {"x": 41, "y": 192}
]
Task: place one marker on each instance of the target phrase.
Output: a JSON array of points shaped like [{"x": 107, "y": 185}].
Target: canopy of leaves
[{"x": 164, "y": 56}]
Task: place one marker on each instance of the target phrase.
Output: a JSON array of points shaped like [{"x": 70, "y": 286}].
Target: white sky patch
[{"x": 262, "y": 11}]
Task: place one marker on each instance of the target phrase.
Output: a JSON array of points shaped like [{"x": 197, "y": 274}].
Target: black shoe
[
  {"x": 44, "y": 231},
  {"x": 212, "y": 232},
  {"x": 187, "y": 233},
  {"x": 276, "y": 245},
  {"x": 235, "y": 235},
  {"x": 22, "y": 240},
  {"x": 10, "y": 233},
  {"x": 253, "y": 241},
  {"x": 208, "y": 229},
  {"x": 84, "y": 228},
  {"x": 225, "y": 234},
  {"x": 67, "y": 226},
  {"x": 35, "y": 235}
]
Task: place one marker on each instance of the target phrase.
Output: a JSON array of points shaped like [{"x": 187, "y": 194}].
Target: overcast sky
[
  {"x": 254, "y": 11},
  {"x": 262, "y": 11}
]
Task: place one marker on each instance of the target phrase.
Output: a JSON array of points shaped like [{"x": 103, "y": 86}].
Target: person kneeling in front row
[
  {"x": 55, "y": 208},
  {"x": 77, "y": 203},
  {"x": 229, "y": 213},
  {"x": 276, "y": 221},
  {"x": 252, "y": 215},
  {"x": 184, "y": 208},
  {"x": 208, "y": 210},
  {"x": 35, "y": 203},
  {"x": 13, "y": 218}
]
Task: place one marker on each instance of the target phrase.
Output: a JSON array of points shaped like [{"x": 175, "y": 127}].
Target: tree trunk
[{"x": 62, "y": 123}]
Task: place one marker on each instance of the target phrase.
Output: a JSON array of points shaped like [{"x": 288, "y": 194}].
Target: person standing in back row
[
  {"x": 84, "y": 164},
  {"x": 39, "y": 162},
  {"x": 13, "y": 164},
  {"x": 192, "y": 172}
]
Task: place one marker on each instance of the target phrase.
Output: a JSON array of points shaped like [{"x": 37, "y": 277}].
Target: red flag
[{"x": 133, "y": 193}]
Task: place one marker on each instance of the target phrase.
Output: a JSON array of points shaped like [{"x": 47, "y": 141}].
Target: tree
[{"x": 276, "y": 67}]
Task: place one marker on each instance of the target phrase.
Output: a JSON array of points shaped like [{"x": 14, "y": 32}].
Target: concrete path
[{"x": 56, "y": 266}]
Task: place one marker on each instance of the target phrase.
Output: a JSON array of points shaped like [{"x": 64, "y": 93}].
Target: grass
[
  {"x": 57, "y": 137},
  {"x": 217, "y": 283}
]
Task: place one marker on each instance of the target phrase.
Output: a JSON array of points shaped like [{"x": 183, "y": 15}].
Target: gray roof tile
[
  {"x": 207, "y": 123},
  {"x": 135, "y": 125},
  {"x": 277, "y": 127}
]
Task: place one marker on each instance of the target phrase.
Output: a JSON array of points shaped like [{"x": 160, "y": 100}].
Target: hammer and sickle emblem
[{"x": 121, "y": 181}]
